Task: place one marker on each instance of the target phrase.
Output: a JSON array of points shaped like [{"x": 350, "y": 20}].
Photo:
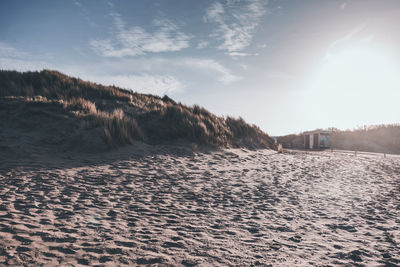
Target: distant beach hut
[{"x": 317, "y": 139}]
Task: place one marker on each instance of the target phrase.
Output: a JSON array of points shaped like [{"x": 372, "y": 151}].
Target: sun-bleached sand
[{"x": 168, "y": 206}]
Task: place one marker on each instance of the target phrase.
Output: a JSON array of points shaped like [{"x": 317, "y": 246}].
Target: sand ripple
[{"x": 232, "y": 207}]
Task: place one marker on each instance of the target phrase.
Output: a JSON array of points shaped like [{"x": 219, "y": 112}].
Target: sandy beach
[{"x": 168, "y": 206}]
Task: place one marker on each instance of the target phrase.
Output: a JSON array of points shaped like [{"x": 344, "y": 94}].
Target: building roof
[{"x": 318, "y": 132}]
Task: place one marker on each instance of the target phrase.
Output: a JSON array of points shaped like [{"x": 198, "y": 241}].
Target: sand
[{"x": 215, "y": 208}]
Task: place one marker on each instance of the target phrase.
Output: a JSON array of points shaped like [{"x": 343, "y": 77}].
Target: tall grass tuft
[
  {"x": 248, "y": 135},
  {"x": 118, "y": 128}
]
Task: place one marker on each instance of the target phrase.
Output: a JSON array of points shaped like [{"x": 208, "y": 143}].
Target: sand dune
[{"x": 231, "y": 207}]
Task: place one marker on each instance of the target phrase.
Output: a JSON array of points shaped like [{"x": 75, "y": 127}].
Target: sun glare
[{"x": 355, "y": 86}]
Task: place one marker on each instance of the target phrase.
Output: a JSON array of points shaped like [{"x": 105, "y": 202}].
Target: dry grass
[
  {"x": 125, "y": 116},
  {"x": 55, "y": 85},
  {"x": 248, "y": 135},
  {"x": 118, "y": 129},
  {"x": 81, "y": 105}
]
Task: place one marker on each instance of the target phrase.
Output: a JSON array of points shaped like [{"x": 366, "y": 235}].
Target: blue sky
[{"x": 287, "y": 66}]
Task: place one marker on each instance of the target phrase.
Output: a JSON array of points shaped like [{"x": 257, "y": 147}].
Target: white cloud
[
  {"x": 144, "y": 83},
  {"x": 346, "y": 39},
  {"x": 224, "y": 75},
  {"x": 156, "y": 75},
  {"x": 110, "y": 4},
  {"x": 12, "y": 58},
  {"x": 241, "y": 54},
  {"x": 215, "y": 13},
  {"x": 136, "y": 40},
  {"x": 184, "y": 67},
  {"x": 84, "y": 13},
  {"x": 244, "y": 66},
  {"x": 348, "y": 36},
  {"x": 343, "y": 5},
  {"x": 202, "y": 44},
  {"x": 18, "y": 64},
  {"x": 236, "y": 22},
  {"x": 8, "y": 51}
]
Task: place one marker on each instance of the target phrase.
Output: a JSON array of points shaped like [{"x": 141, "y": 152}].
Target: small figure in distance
[{"x": 280, "y": 148}]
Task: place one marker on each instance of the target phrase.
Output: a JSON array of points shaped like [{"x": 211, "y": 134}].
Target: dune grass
[{"x": 123, "y": 116}]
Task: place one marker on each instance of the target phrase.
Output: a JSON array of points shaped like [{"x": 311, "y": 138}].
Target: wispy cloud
[
  {"x": 85, "y": 13},
  {"x": 241, "y": 54},
  {"x": 183, "y": 67},
  {"x": 224, "y": 75},
  {"x": 12, "y": 58},
  {"x": 202, "y": 44},
  {"x": 136, "y": 40},
  {"x": 19, "y": 64},
  {"x": 144, "y": 83},
  {"x": 236, "y": 22},
  {"x": 345, "y": 39},
  {"x": 348, "y": 36},
  {"x": 155, "y": 75},
  {"x": 9, "y": 51}
]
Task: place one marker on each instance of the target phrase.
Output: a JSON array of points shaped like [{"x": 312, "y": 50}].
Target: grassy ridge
[
  {"x": 384, "y": 138},
  {"x": 374, "y": 138},
  {"x": 116, "y": 115}
]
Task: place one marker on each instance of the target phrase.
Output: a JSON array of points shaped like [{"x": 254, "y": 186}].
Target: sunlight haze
[{"x": 286, "y": 66}]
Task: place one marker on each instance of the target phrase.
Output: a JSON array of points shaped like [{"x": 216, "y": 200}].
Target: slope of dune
[{"x": 48, "y": 109}]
